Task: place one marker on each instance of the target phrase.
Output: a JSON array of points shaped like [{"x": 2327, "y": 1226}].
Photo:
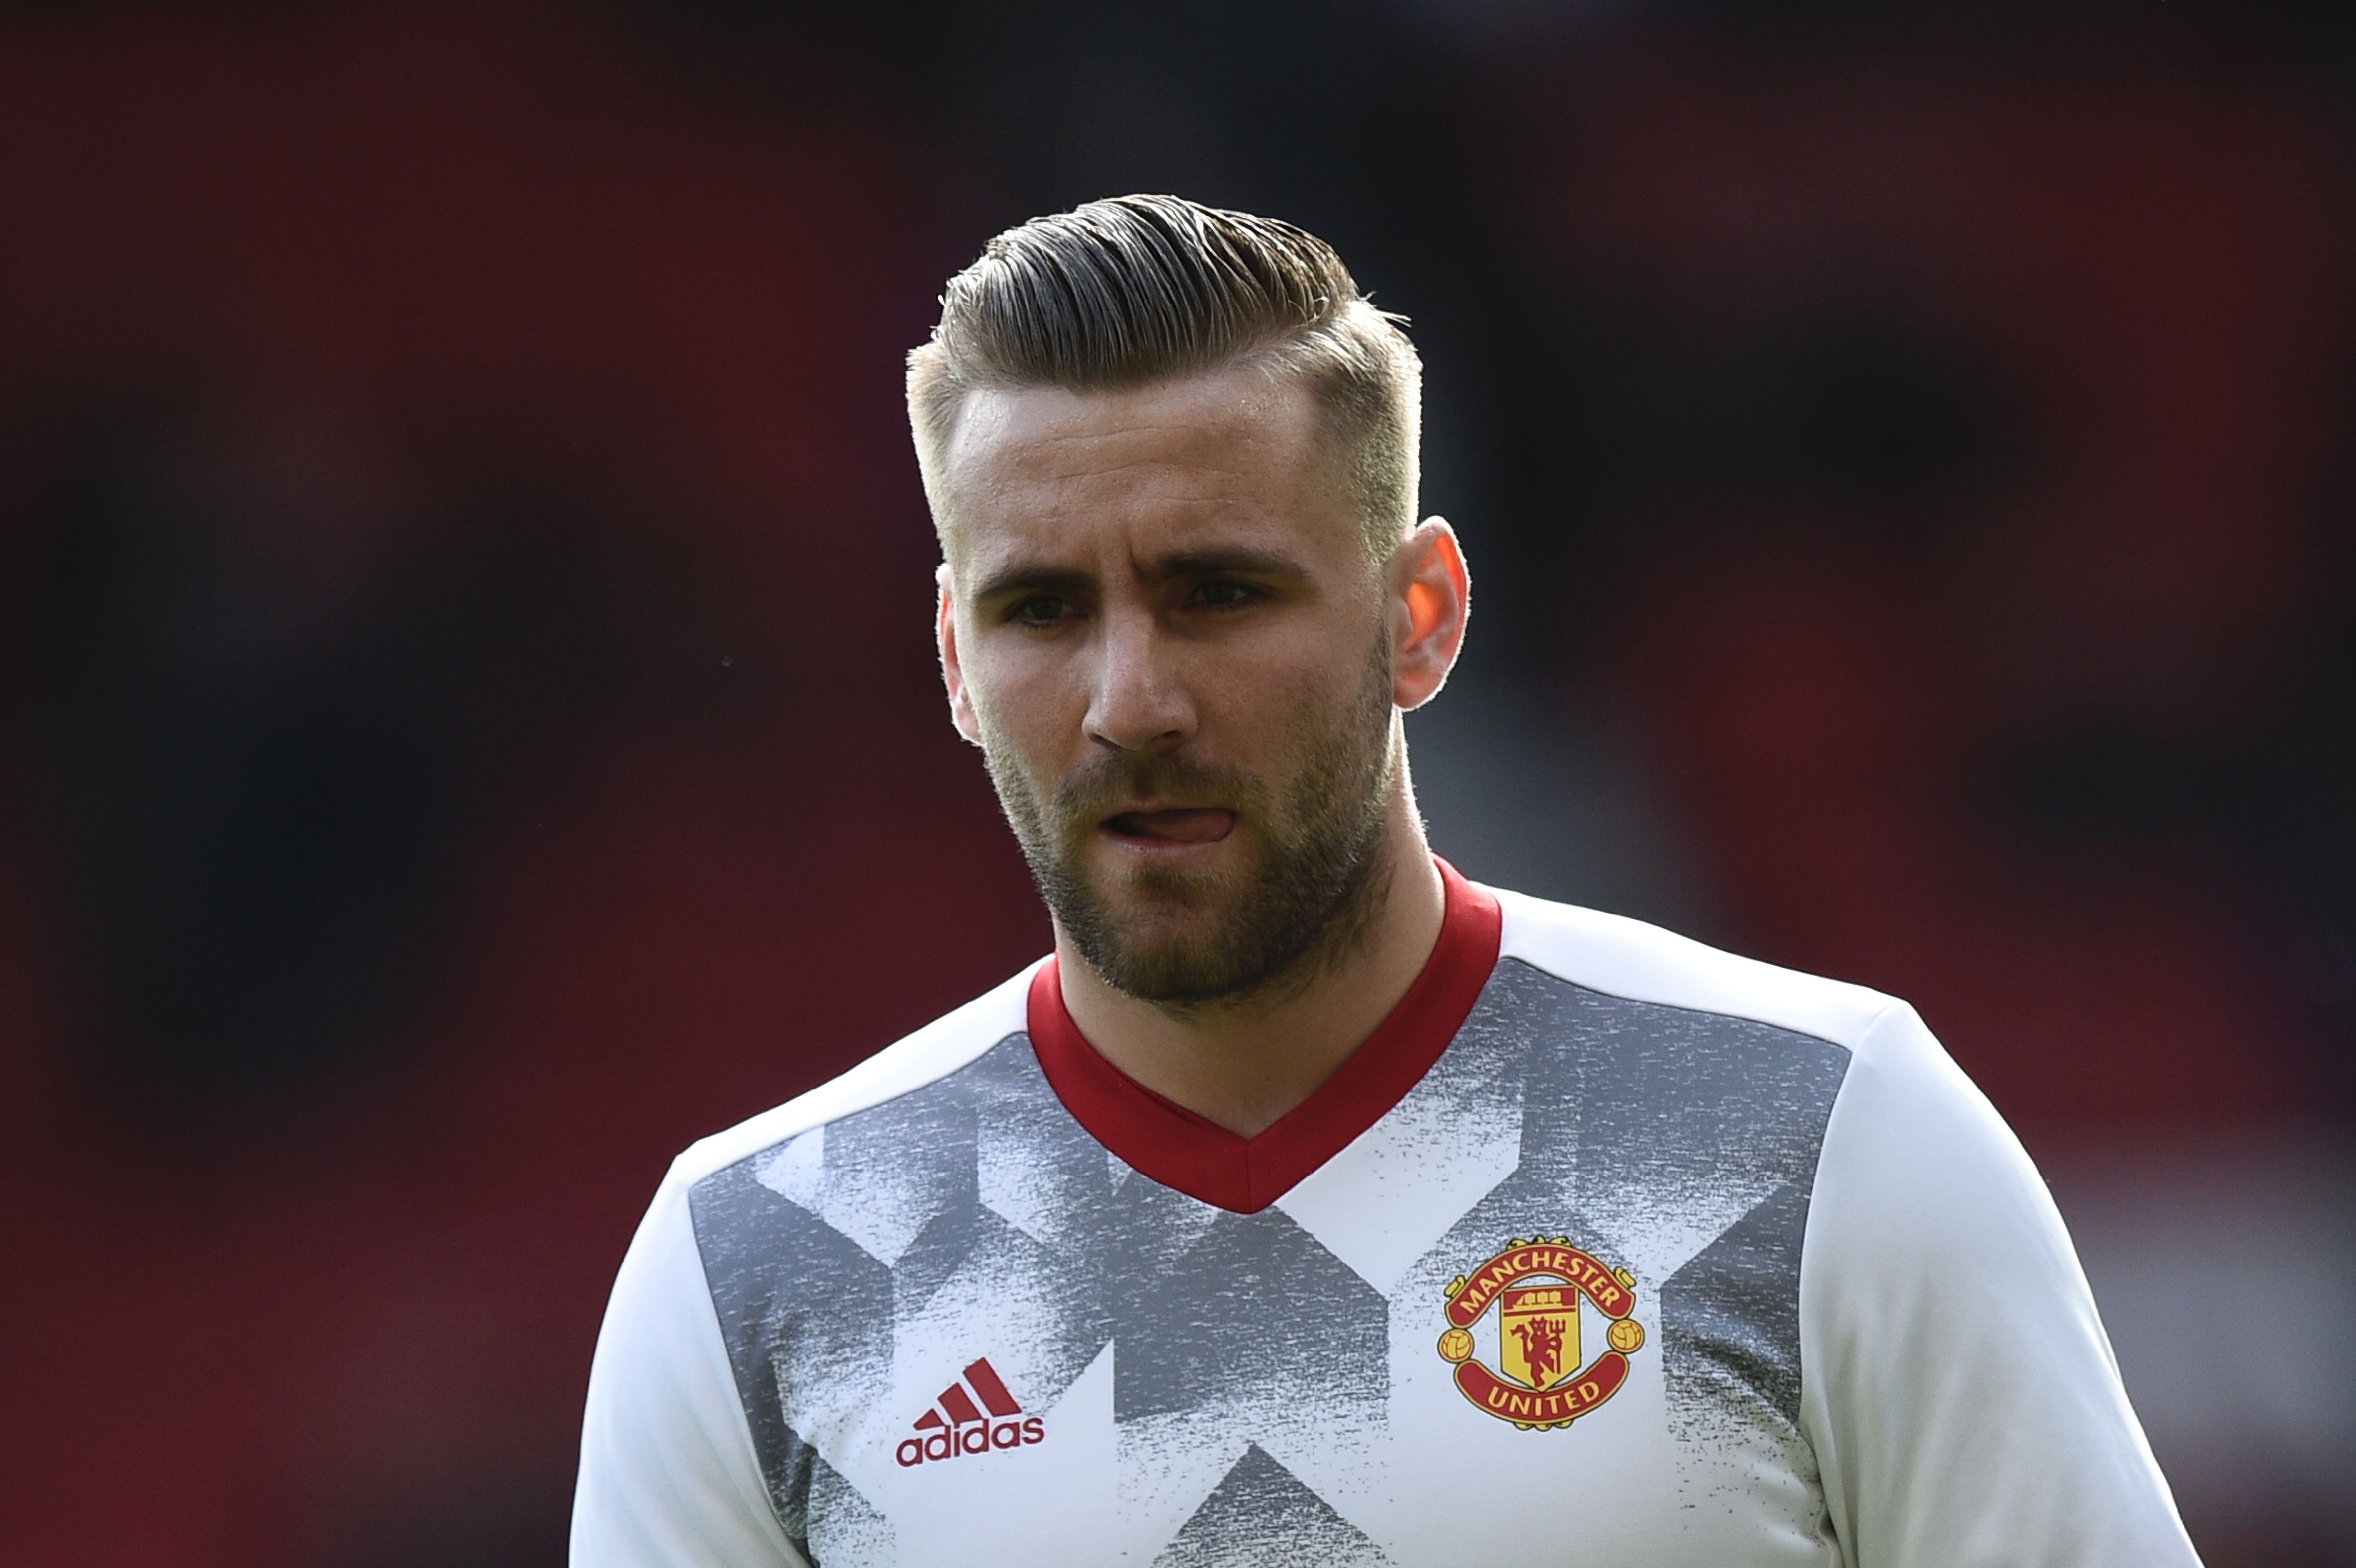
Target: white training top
[{"x": 1610, "y": 1247}]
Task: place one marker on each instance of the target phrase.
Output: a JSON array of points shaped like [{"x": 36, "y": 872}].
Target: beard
[{"x": 1184, "y": 939}]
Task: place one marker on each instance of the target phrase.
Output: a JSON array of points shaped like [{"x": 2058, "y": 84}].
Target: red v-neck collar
[{"x": 1202, "y": 1160}]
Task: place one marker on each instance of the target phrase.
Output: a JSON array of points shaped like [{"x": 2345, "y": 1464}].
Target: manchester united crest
[{"x": 1542, "y": 1379}]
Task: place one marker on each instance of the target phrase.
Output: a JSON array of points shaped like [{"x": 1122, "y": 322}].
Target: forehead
[{"x": 1235, "y": 452}]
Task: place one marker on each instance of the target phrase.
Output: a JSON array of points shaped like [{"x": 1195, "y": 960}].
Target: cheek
[
  {"x": 1326, "y": 678},
  {"x": 1289, "y": 708},
  {"x": 1024, "y": 696}
]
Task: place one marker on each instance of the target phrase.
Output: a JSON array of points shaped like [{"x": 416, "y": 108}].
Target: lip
[{"x": 1169, "y": 831}]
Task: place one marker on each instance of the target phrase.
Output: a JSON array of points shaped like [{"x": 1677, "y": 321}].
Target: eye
[
  {"x": 1219, "y": 594},
  {"x": 1040, "y": 610}
]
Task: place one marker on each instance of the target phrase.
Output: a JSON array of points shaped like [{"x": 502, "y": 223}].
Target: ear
[
  {"x": 1431, "y": 597},
  {"x": 961, "y": 712}
]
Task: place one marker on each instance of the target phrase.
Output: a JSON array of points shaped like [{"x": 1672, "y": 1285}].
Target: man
[{"x": 1310, "y": 1204}]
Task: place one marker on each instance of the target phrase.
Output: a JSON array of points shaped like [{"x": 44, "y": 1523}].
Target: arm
[
  {"x": 668, "y": 1475},
  {"x": 1959, "y": 1391}
]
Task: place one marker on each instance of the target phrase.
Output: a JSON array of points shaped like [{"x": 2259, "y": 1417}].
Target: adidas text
[
  {"x": 957, "y": 1426},
  {"x": 955, "y": 1442}
]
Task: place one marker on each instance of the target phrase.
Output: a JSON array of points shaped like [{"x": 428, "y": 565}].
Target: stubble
[{"x": 1187, "y": 941}]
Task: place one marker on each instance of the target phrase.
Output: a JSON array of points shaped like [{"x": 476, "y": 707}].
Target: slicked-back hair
[{"x": 1138, "y": 289}]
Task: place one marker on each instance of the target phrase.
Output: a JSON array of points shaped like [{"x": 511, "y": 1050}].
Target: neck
[{"x": 1242, "y": 1067}]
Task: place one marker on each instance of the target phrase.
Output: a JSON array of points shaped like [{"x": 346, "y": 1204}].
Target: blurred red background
[{"x": 471, "y": 728}]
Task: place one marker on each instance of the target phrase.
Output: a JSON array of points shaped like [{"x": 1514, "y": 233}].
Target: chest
[{"x": 1544, "y": 1310}]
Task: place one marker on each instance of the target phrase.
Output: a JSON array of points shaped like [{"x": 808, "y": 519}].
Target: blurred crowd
[{"x": 468, "y": 723}]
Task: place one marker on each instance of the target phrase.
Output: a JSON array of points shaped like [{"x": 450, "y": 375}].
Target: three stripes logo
[{"x": 957, "y": 1426}]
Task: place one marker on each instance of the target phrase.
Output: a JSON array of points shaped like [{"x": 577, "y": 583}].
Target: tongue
[{"x": 1205, "y": 826}]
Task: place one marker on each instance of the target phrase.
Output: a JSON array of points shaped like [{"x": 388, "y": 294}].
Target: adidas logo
[{"x": 955, "y": 1427}]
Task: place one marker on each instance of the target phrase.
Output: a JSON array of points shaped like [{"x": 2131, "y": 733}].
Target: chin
[
  {"x": 1179, "y": 952},
  {"x": 1170, "y": 973},
  {"x": 1152, "y": 923},
  {"x": 1148, "y": 939}
]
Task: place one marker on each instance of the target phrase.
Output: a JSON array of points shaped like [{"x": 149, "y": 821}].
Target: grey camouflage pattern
[{"x": 1680, "y": 1144}]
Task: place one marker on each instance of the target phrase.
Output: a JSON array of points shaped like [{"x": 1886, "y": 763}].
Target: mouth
[{"x": 1177, "y": 826}]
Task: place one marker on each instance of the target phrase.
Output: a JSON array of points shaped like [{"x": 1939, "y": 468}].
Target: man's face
[{"x": 1160, "y": 625}]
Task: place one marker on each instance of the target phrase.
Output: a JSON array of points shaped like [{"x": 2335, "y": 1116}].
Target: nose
[{"x": 1138, "y": 704}]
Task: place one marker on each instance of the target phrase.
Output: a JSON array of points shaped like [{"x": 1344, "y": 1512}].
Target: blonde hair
[{"x": 1137, "y": 289}]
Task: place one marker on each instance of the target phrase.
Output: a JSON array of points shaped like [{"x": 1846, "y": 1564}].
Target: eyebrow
[
  {"x": 1240, "y": 561},
  {"x": 1025, "y": 577}
]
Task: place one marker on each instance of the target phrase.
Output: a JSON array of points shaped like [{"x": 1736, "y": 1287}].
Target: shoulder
[
  {"x": 1640, "y": 963},
  {"x": 680, "y": 1461},
  {"x": 916, "y": 1061}
]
